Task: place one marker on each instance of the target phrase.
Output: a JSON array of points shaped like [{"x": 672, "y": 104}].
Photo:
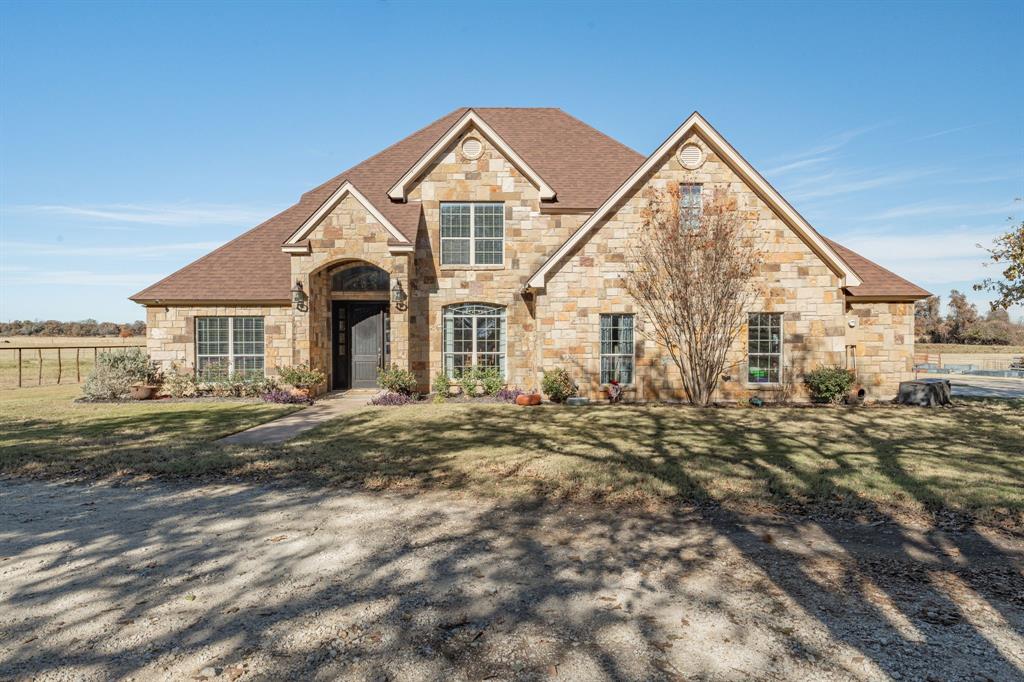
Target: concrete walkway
[{"x": 285, "y": 428}]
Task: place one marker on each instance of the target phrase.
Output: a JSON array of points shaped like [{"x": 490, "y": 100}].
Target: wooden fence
[{"x": 69, "y": 358}]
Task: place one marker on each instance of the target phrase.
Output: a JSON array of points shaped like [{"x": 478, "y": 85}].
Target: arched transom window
[
  {"x": 360, "y": 278},
  {"x": 474, "y": 336}
]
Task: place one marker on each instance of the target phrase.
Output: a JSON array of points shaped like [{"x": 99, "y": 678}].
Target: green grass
[
  {"x": 43, "y": 432},
  {"x": 870, "y": 461}
]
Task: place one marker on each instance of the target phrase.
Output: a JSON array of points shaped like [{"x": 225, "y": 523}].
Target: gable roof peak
[
  {"x": 742, "y": 168},
  {"x": 471, "y": 118}
]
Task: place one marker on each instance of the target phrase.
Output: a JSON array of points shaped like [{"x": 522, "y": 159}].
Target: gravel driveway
[{"x": 156, "y": 581}]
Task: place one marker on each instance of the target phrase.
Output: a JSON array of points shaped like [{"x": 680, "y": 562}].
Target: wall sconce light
[
  {"x": 299, "y": 297},
  {"x": 398, "y": 295}
]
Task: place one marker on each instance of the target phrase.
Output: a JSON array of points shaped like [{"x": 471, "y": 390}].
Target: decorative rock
[{"x": 577, "y": 401}]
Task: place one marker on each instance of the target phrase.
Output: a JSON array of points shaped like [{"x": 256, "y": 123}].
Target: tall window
[
  {"x": 764, "y": 348},
  {"x": 617, "y": 348},
  {"x": 474, "y": 336},
  {"x": 472, "y": 234},
  {"x": 691, "y": 205},
  {"x": 229, "y": 345}
]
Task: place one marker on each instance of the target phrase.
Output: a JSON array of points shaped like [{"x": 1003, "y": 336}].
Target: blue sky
[{"x": 136, "y": 137}]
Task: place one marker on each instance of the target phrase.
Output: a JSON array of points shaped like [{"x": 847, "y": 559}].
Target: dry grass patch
[{"x": 872, "y": 462}]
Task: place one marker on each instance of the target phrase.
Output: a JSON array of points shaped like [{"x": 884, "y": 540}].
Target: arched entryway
[{"x": 360, "y": 324}]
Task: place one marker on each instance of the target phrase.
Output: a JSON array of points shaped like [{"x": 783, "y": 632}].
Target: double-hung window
[
  {"x": 472, "y": 234},
  {"x": 227, "y": 346},
  {"x": 691, "y": 205},
  {"x": 764, "y": 348},
  {"x": 474, "y": 336},
  {"x": 617, "y": 348}
]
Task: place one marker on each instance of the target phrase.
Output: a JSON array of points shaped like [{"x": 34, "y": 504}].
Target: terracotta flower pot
[
  {"x": 302, "y": 392},
  {"x": 528, "y": 399},
  {"x": 142, "y": 392}
]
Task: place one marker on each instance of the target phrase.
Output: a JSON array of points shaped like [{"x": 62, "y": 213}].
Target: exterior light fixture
[
  {"x": 299, "y": 296},
  {"x": 398, "y": 295}
]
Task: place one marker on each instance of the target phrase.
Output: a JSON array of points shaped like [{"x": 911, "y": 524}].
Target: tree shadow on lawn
[
  {"x": 931, "y": 561},
  {"x": 467, "y": 587}
]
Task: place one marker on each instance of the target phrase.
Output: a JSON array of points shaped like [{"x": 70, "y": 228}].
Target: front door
[{"x": 366, "y": 334}]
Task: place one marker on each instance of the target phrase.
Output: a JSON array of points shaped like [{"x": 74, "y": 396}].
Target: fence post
[
  {"x": 39, "y": 379},
  {"x": 78, "y": 365},
  {"x": 60, "y": 366},
  {"x": 19, "y": 368}
]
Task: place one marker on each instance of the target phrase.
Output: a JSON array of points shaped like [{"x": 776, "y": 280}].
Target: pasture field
[{"x": 48, "y": 347}]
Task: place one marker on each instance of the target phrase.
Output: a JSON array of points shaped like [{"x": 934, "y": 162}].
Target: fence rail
[{"x": 60, "y": 358}]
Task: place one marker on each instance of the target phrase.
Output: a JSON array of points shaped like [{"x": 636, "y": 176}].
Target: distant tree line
[
  {"x": 963, "y": 323},
  {"x": 78, "y": 328}
]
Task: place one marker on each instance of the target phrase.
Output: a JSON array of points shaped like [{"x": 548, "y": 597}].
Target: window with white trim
[
  {"x": 617, "y": 348},
  {"x": 764, "y": 348},
  {"x": 472, "y": 234},
  {"x": 474, "y": 336},
  {"x": 227, "y": 346},
  {"x": 691, "y": 205}
]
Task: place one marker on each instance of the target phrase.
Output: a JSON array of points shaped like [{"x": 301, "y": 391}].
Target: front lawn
[
  {"x": 873, "y": 461},
  {"x": 42, "y": 431}
]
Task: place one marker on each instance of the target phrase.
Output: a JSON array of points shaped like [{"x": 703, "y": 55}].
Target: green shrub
[
  {"x": 488, "y": 377},
  {"x": 117, "y": 371},
  {"x": 558, "y": 385},
  {"x": 180, "y": 384},
  {"x": 301, "y": 376},
  {"x": 441, "y": 385},
  {"x": 396, "y": 380},
  {"x": 238, "y": 385},
  {"x": 829, "y": 384}
]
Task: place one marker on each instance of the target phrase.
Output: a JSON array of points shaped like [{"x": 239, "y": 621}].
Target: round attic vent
[
  {"x": 472, "y": 148},
  {"x": 691, "y": 156}
]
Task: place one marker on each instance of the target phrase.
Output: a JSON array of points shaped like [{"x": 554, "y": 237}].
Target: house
[{"x": 498, "y": 237}]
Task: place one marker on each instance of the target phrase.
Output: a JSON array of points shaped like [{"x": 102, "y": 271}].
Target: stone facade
[
  {"x": 883, "y": 335},
  {"x": 530, "y": 236},
  {"x": 794, "y": 281},
  {"x": 349, "y": 233},
  {"x": 171, "y": 333},
  {"x": 560, "y": 325}
]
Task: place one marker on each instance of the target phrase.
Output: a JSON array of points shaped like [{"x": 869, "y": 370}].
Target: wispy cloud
[
  {"x": 936, "y": 257},
  {"x": 939, "y": 207},
  {"x": 819, "y": 153},
  {"x": 149, "y": 252},
  {"x": 74, "y": 278},
  {"x": 797, "y": 165},
  {"x": 941, "y": 133},
  {"x": 155, "y": 214},
  {"x": 834, "y": 184}
]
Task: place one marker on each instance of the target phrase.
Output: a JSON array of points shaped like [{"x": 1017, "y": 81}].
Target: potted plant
[
  {"x": 302, "y": 378},
  {"x": 528, "y": 399},
  {"x": 614, "y": 391},
  {"x": 142, "y": 391}
]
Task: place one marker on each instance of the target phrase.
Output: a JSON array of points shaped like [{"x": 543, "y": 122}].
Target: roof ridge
[
  {"x": 601, "y": 133},
  {"x": 836, "y": 244},
  {"x": 340, "y": 176},
  {"x": 220, "y": 248}
]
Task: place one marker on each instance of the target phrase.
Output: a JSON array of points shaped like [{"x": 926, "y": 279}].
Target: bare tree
[{"x": 693, "y": 278}]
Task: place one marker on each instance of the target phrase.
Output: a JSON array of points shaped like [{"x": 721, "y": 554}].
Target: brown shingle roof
[
  {"x": 876, "y": 281},
  {"x": 582, "y": 164}
]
